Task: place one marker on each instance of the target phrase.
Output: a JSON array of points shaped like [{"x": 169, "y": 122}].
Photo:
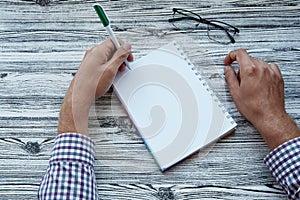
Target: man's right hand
[{"x": 258, "y": 92}]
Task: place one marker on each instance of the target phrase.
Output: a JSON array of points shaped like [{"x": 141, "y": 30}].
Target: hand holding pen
[{"x": 104, "y": 19}]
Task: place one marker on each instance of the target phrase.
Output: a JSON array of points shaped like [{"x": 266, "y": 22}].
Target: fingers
[
  {"x": 104, "y": 51},
  {"x": 119, "y": 57},
  {"x": 231, "y": 80},
  {"x": 251, "y": 70},
  {"x": 249, "y": 65},
  {"x": 130, "y": 57},
  {"x": 240, "y": 55},
  {"x": 123, "y": 44},
  {"x": 112, "y": 48}
]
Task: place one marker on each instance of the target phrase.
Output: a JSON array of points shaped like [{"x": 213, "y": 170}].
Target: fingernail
[{"x": 127, "y": 46}]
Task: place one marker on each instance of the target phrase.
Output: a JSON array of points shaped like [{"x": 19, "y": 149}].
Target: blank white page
[{"x": 172, "y": 107}]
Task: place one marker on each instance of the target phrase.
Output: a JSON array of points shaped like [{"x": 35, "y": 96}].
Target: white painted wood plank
[{"x": 41, "y": 46}]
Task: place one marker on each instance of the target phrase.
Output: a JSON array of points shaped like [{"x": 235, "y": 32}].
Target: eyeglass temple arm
[
  {"x": 213, "y": 24},
  {"x": 183, "y": 18},
  {"x": 230, "y": 37}
]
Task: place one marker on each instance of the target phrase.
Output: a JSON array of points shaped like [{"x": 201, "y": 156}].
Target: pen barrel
[
  {"x": 112, "y": 36},
  {"x": 127, "y": 64}
]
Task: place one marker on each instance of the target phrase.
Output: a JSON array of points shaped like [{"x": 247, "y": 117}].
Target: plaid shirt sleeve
[
  {"x": 284, "y": 163},
  {"x": 70, "y": 174}
]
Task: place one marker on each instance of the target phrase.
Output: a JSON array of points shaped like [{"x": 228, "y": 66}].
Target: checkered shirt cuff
[
  {"x": 284, "y": 163},
  {"x": 73, "y": 147}
]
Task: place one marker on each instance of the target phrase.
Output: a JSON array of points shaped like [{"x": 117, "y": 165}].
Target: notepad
[{"x": 172, "y": 107}]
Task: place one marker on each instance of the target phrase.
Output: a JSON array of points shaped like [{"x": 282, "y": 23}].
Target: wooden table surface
[{"x": 42, "y": 43}]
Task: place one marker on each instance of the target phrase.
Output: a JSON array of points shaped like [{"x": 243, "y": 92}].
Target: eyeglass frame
[{"x": 206, "y": 21}]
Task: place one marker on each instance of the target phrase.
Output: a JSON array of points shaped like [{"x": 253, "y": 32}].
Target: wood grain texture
[{"x": 42, "y": 43}]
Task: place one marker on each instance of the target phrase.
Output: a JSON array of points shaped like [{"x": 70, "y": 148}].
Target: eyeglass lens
[{"x": 221, "y": 32}]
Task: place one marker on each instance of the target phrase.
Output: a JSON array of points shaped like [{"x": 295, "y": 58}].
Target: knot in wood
[
  {"x": 42, "y": 2},
  {"x": 166, "y": 193},
  {"x": 3, "y": 75},
  {"x": 32, "y": 147},
  {"x": 107, "y": 122},
  {"x": 116, "y": 28}
]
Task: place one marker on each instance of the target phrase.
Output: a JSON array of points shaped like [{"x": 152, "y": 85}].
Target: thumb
[
  {"x": 120, "y": 56},
  {"x": 231, "y": 80}
]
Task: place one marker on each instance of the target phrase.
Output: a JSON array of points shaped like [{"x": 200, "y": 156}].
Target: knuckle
[
  {"x": 251, "y": 70},
  {"x": 94, "y": 49},
  {"x": 121, "y": 56},
  {"x": 90, "y": 52},
  {"x": 242, "y": 51},
  {"x": 98, "y": 49},
  {"x": 124, "y": 55},
  {"x": 265, "y": 68},
  {"x": 228, "y": 74}
]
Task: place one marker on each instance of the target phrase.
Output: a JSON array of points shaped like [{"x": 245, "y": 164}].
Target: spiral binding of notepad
[{"x": 203, "y": 82}]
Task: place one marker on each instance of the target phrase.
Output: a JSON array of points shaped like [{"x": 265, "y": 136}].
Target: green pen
[{"x": 104, "y": 19}]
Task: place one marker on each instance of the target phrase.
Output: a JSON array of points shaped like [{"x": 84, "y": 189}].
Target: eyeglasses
[{"x": 218, "y": 31}]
